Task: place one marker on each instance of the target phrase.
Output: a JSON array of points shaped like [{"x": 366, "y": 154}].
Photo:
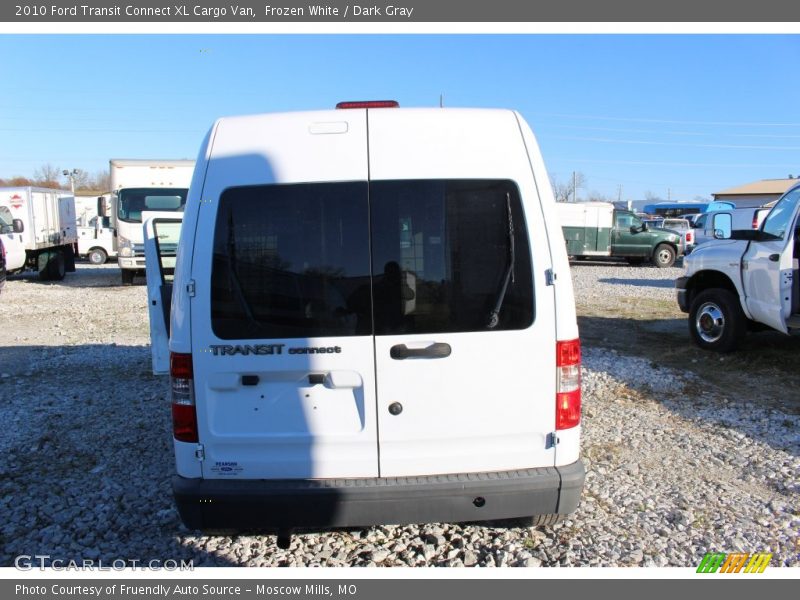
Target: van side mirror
[
  {"x": 722, "y": 225},
  {"x": 102, "y": 206},
  {"x": 18, "y": 226}
]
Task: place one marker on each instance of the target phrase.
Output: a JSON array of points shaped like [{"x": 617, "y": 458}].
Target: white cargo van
[{"x": 372, "y": 322}]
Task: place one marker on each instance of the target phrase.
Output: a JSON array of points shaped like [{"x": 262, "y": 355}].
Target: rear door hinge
[
  {"x": 550, "y": 277},
  {"x": 200, "y": 452},
  {"x": 190, "y": 288},
  {"x": 552, "y": 440}
]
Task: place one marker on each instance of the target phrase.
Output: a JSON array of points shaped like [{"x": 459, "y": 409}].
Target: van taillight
[
  {"x": 369, "y": 104},
  {"x": 184, "y": 414},
  {"x": 568, "y": 384}
]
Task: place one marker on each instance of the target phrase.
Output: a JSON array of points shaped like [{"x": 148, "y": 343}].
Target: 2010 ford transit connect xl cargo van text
[{"x": 372, "y": 321}]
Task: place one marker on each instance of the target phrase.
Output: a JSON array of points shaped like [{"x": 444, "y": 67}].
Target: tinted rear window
[
  {"x": 287, "y": 258},
  {"x": 442, "y": 252},
  {"x": 294, "y": 261}
]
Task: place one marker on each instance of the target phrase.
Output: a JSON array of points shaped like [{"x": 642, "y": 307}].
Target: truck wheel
[
  {"x": 127, "y": 276},
  {"x": 716, "y": 320},
  {"x": 56, "y": 266},
  {"x": 98, "y": 256},
  {"x": 664, "y": 256}
]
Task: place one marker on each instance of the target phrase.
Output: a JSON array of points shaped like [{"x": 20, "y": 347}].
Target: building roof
[{"x": 765, "y": 186}]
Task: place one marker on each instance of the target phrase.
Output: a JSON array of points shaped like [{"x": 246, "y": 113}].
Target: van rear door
[
  {"x": 464, "y": 319},
  {"x": 161, "y": 236},
  {"x": 282, "y": 344}
]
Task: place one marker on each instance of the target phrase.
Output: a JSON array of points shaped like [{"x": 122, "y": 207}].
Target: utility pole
[
  {"x": 619, "y": 193},
  {"x": 574, "y": 187},
  {"x": 71, "y": 176}
]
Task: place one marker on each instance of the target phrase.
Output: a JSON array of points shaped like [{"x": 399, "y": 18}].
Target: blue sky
[{"x": 677, "y": 115}]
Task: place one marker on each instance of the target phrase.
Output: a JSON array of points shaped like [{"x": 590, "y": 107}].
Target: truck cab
[{"x": 744, "y": 278}]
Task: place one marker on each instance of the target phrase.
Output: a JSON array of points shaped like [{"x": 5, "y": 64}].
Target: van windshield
[
  {"x": 133, "y": 201},
  {"x": 351, "y": 258}
]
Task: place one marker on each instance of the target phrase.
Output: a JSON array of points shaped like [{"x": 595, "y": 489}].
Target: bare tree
[
  {"x": 595, "y": 196},
  {"x": 82, "y": 180},
  {"x": 47, "y": 176},
  {"x": 566, "y": 191},
  {"x": 651, "y": 197},
  {"x": 102, "y": 181}
]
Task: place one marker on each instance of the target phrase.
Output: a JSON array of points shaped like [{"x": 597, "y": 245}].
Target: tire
[
  {"x": 716, "y": 320},
  {"x": 97, "y": 256},
  {"x": 57, "y": 266},
  {"x": 51, "y": 266},
  {"x": 664, "y": 256},
  {"x": 127, "y": 276}
]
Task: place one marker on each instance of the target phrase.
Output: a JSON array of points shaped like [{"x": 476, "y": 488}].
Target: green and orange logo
[{"x": 734, "y": 562}]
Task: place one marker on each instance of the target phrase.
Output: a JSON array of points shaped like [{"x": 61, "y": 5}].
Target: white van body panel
[
  {"x": 273, "y": 418},
  {"x": 458, "y": 415},
  {"x": 284, "y": 427},
  {"x": 566, "y": 321}
]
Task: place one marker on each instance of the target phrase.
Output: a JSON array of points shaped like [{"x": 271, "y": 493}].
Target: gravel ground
[{"x": 675, "y": 468}]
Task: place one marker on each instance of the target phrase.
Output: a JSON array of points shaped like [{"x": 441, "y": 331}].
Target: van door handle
[
  {"x": 438, "y": 350},
  {"x": 774, "y": 257}
]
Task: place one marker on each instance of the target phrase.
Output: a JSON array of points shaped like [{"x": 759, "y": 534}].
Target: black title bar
[{"x": 400, "y": 11}]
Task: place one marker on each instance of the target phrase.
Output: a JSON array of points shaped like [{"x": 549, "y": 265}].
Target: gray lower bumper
[{"x": 287, "y": 504}]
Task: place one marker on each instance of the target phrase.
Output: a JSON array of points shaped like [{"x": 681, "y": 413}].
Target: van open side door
[{"x": 161, "y": 235}]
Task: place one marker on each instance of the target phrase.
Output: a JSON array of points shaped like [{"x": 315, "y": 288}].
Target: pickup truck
[
  {"x": 740, "y": 218},
  {"x": 598, "y": 229},
  {"x": 744, "y": 279}
]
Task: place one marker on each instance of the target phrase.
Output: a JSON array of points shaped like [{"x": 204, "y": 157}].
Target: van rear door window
[
  {"x": 292, "y": 261},
  {"x": 442, "y": 251}
]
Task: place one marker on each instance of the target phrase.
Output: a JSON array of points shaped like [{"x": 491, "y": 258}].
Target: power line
[
  {"x": 685, "y": 144},
  {"x": 657, "y": 132},
  {"x": 672, "y": 121}
]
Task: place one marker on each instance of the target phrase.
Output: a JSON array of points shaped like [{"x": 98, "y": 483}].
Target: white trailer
[
  {"x": 143, "y": 185},
  {"x": 39, "y": 230}
]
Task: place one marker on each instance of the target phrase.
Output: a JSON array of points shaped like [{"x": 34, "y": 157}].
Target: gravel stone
[{"x": 674, "y": 468}]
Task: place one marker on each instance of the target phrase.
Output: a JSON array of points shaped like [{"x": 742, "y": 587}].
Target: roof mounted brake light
[{"x": 369, "y": 104}]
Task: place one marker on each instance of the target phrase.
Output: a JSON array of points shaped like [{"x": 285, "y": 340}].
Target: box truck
[
  {"x": 38, "y": 230},
  {"x": 598, "y": 229},
  {"x": 141, "y": 185},
  {"x": 96, "y": 239}
]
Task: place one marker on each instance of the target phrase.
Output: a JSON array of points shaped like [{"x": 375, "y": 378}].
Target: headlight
[{"x": 124, "y": 246}]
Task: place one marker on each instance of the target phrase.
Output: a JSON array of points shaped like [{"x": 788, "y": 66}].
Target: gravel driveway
[{"x": 677, "y": 467}]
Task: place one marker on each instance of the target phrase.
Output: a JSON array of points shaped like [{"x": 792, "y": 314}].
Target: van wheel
[
  {"x": 127, "y": 276},
  {"x": 716, "y": 321},
  {"x": 98, "y": 256},
  {"x": 664, "y": 256}
]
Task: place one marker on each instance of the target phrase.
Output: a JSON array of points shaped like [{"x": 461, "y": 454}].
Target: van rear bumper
[{"x": 311, "y": 504}]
